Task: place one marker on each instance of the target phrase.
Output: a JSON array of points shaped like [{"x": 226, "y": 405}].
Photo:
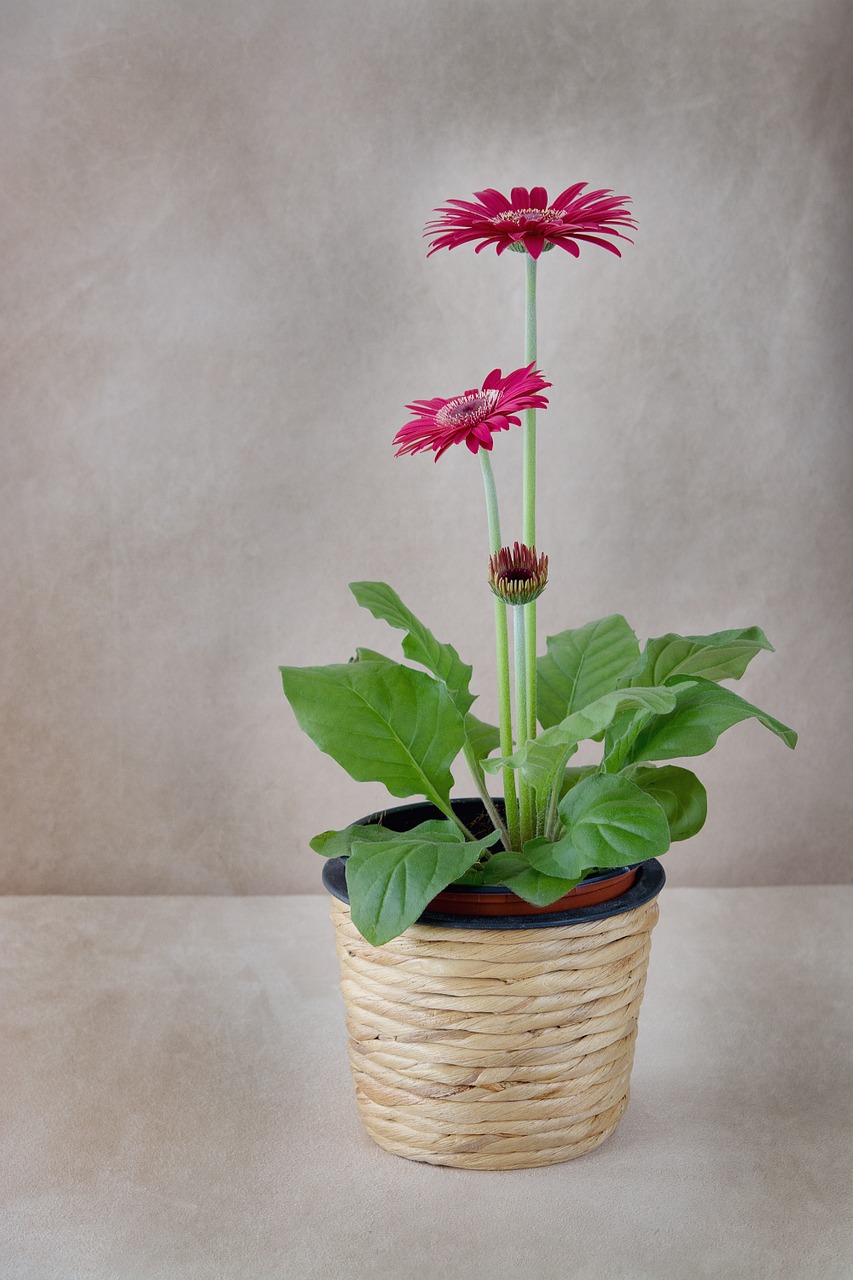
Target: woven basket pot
[{"x": 496, "y": 1042}]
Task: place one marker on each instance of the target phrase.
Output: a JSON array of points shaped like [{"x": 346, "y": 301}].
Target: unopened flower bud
[{"x": 518, "y": 575}]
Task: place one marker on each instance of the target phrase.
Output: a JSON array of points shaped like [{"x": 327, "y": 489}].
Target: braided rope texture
[{"x": 492, "y": 1049}]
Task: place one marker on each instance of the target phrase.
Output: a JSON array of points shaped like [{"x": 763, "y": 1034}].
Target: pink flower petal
[
  {"x": 534, "y": 242},
  {"x": 493, "y": 200},
  {"x": 568, "y": 245},
  {"x": 565, "y": 198},
  {"x": 604, "y": 244}
]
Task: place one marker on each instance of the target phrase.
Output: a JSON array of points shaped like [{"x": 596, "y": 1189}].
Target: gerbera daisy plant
[{"x": 405, "y": 724}]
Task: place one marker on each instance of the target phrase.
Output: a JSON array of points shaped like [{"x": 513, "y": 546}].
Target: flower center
[
  {"x": 520, "y": 216},
  {"x": 467, "y": 411}
]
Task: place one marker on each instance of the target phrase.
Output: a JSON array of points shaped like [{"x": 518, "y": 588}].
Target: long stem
[
  {"x": 491, "y": 491},
  {"x": 530, "y": 414},
  {"x": 502, "y": 651},
  {"x": 528, "y": 730},
  {"x": 525, "y": 798}
]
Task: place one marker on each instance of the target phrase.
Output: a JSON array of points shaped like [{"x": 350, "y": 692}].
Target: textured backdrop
[{"x": 216, "y": 303}]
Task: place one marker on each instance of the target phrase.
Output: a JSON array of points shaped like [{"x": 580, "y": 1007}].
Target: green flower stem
[
  {"x": 502, "y": 649},
  {"x": 528, "y": 730},
  {"x": 530, "y": 414},
  {"x": 491, "y": 492},
  {"x": 525, "y": 798}
]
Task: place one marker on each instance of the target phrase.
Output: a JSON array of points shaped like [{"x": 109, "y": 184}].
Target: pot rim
[{"x": 648, "y": 884}]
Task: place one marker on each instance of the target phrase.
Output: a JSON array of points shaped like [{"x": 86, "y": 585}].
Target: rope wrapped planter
[{"x": 494, "y": 1048}]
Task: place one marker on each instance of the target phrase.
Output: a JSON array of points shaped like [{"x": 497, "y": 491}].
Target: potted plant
[{"x": 494, "y": 950}]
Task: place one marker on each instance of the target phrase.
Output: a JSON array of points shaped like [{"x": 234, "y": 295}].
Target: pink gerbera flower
[
  {"x": 473, "y": 417},
  {"x": 528, "y": 221}
]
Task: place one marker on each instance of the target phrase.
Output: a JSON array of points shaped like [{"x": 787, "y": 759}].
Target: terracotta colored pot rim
[{"x": 497, "y": 900}]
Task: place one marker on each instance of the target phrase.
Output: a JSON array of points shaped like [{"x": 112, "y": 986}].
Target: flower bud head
[{"x": 517, "y": 575}]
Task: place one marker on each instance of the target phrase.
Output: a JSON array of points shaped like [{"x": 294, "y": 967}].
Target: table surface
[{"x": 176, "y": 1103}]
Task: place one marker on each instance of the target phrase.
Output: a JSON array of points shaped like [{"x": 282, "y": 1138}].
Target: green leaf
[
  {"x": 678, "y": 792},
  {"x": 419, "y": 645},
  {"x": 619, "y": 739},
  {"x": 613, "y": 822},
  {"x": 581, "y": 665},
  {"x": 392, "y": 876},
  {"x": 338, "y": 844},
  {"x": 382, "y": 722},
  {"x": 597, "y": 715},
  {"x": 517, "y": 874},
  {"x": 483, "y": 738},
  {"x": 722, "y": 655},
  {"x": 703, "y": 711},
  {"x": 609, "y": 822},
  {"x": 541, "y": 759}
]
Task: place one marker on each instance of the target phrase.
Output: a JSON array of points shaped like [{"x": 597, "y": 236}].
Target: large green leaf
[
  {"x": 609, "y": 822},
  {"x": 542, "y": 758},
  {"x": 678, "y": 792},
  {"x": 581, "y": 665},
  {"x": 382, "y": 722},
  {"x": 419, "y": 645},
  {"x": 391, "y": 876},
  {"x": 703, "y": 711},
  {"x": 482, "y": 737},
  {"x": 722, "y": 655}
]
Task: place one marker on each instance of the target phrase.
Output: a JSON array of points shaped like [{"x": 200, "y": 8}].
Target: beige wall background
[{"x": 216, "y": 304}]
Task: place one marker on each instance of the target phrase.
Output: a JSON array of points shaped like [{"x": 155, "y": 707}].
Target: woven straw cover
[{"x": 492, "y": 1049}]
